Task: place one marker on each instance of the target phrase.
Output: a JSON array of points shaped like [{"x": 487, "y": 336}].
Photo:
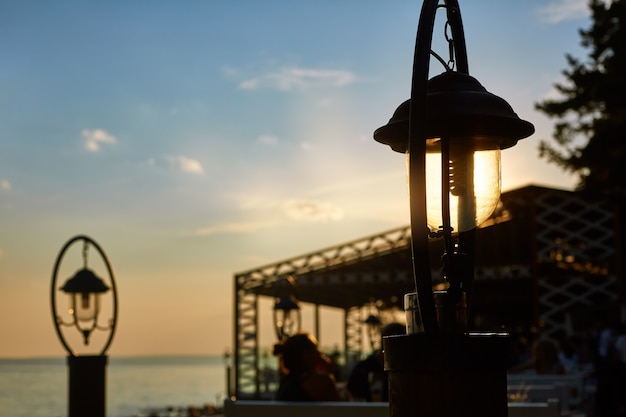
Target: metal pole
[
  {"x": 439, "y": 373},
  {"x": 87, "y": 386},
  {"x": 317, "y": 323},
  {"x": 228, "y": 371}
]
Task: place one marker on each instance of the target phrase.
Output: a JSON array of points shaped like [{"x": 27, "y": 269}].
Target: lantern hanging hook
[
  {"x": 450, "y": 40},
  {"x": 450, "y": 64},
  {"x": 439, "y": 58}
]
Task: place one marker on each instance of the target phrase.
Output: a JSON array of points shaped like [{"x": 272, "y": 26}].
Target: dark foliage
[{"x": 590, "y": 114}]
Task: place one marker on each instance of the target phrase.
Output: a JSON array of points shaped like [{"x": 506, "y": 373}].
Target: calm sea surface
[{"x": 38, "y": 387}]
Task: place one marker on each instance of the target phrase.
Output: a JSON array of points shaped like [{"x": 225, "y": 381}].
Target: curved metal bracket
[{"x": 418, "y": 115}]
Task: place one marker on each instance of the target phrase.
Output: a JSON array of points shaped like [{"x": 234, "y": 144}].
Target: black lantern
[
  {"x": 452, "y": 131},
  {"x": 373, "y": 327},
  {"x": 84, "y": 290},
  {"x": 287, "y": 317},
  {"x": 87, "y": 373},
  {"x": 464, "y": 133}
]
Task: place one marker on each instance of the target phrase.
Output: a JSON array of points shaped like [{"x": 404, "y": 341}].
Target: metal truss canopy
[
  {"x": 344, "y": 276},
  {"x": 541, "y": 247}
]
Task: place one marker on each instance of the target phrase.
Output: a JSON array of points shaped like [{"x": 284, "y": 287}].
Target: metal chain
[{"x": 85, "y": 253}]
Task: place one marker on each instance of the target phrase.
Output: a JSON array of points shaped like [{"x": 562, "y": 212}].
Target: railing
[
  {"x": 243, "y": 408},
  {"x": 569, "y": 389}
]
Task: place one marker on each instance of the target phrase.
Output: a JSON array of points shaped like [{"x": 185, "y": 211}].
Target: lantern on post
[
  {"x": 87, "y": 373},
  {"x": 287, "y": 317},
  {"x": 373, "y": 327},
  {"x": 452, "y": 131}
]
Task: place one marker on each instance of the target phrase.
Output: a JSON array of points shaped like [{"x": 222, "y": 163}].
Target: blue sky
[{"x": 196, "y": 139}]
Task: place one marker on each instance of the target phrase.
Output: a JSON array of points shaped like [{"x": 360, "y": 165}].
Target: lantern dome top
[
  {"x": 84, "y": 281},
  {"x": 286, "y": 303},
  {"x": 458, "y": 106}
]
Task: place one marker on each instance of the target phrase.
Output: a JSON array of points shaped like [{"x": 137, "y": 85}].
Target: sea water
[{"x": 135, "y": 386}]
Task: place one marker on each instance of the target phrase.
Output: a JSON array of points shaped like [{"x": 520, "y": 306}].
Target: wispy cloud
[
  {"x": 312, "y": 210},
  {"x": 232, "y": 228},
  {"x": 188, "y": 165},
  {"x": 267, "y": 140},
  {"x": 558, "y": 11},
  {"x": 306, "y": 146},
  {"x": 301, "y": 210},
  {"x": 291, "y": 78},
  {"x": 5, "y": 185},
  {"x": 93, "y": 139}
]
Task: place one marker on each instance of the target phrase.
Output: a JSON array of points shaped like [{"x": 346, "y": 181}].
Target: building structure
[{"x": 545, "y": 261}]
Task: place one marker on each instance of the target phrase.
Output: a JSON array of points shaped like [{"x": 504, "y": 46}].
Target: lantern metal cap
[
  {"x": 84, "y": 281},
  {"x": 372, "y": 320},
  {"x": 459, "y": 106},
  {"x": 287, "y": 303}
]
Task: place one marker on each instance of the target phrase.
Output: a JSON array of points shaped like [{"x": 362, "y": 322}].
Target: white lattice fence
[
  {"x": 575, "y": 241},
  {"x": 561, "y": 297},
  {"x": 572, "y": 229}
]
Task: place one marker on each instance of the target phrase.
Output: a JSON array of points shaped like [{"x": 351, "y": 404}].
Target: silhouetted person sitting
[
  {"x": 368, "y": 380},
  {"x": 545, "y": 359},
  {"x": 305, "y": 371}
]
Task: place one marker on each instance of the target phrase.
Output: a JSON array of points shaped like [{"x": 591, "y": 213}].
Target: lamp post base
[
  {"x": 87, "y": 386},
  {"x": 447, "y": 375}
]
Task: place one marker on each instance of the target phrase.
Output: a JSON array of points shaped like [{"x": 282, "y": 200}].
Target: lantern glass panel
[
  {"x": 288, "y": 323},
  {"x": 475, "y": 184},
  {"x": 85, "y": 306}
]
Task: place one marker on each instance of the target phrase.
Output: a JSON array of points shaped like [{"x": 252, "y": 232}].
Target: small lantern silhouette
[
  {"x": 287, "y": 317},
  {"x": 84, "y": 290},
  {"x": 373, "y": 325}
]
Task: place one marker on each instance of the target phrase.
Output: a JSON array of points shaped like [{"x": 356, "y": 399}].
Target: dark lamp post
[
  {"x": 228, "y": 371},
  {"x": 372, "y": 325},
  {"x": 87, "y": 373},
  {"x": 287, "y": 318},
  {"x": 452, "y": 131}
]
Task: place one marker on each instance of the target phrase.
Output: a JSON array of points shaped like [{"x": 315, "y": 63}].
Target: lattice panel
[
  {"x": 246, "y": 357},
  {"x": 576, "y": 237},
  {"x": 353, "y": 333},
  {"x": 572, "y": 229},
  {"x": 560, "y": 297}
]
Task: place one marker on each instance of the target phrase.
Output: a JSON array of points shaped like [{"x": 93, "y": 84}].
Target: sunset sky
[{"x": 196, "y": 139}]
